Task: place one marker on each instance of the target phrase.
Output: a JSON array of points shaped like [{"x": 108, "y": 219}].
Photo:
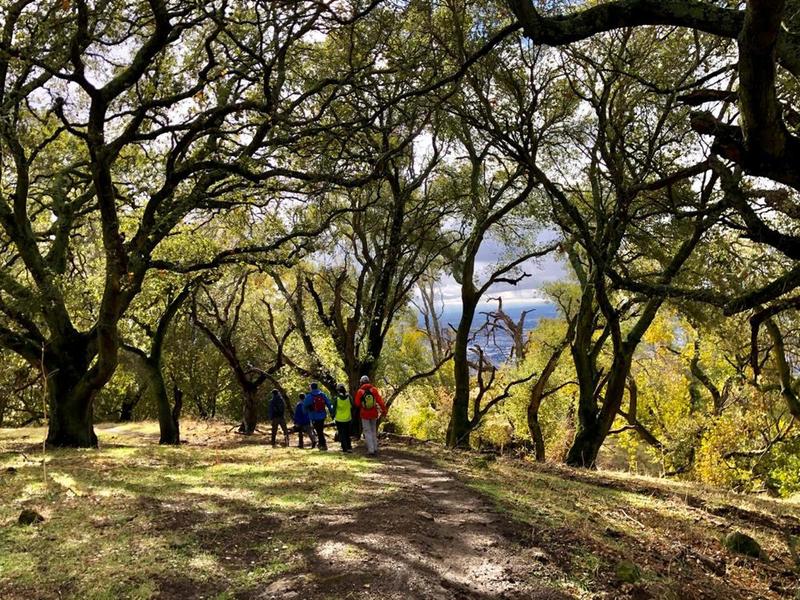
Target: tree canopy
[{"x": 199, "y": 202}]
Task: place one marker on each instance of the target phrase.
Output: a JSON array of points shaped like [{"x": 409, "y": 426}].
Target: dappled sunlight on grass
[
  {"x": 131, "y": 429},
  {"x": 27, "y": 435},
  {"x": 211, "y": 512},
  {"x": 782, "y": 506},
  {"x": 141, "y": 520},
  {"x": 671, "y": 529},
  {"x": 203, "y": 563}
]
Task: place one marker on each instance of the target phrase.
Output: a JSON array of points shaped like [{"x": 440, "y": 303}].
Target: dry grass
[
  {"x": 224, "y": 516},
  {"x": 590, "y": 521},
  {"x": 135, "y": 520}
]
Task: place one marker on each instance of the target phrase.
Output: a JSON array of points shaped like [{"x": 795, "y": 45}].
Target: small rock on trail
[
  {"x": 741, "y": 543},
  {"x": 29, "y": 517}
]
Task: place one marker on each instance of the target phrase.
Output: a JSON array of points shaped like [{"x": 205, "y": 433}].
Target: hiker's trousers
[
  {"x": 280, "y": 422},
  {"x": 343, "y": 427},
  {"x": 307, "y": 430},
  {"x": 319, "y": 428},
  {"x": 370, "y": 427}
]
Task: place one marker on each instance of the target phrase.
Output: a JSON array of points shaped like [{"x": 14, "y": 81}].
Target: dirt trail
[{"x": 431, "y": 537}]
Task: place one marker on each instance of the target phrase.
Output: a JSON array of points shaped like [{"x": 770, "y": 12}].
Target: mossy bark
[{"x": 168, "y": 427}]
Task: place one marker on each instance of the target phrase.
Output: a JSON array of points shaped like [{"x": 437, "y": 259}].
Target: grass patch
[
  {"x": 228, "y": 517},
  {"x": 139, "y": 520},
  {"x": 588, "y": 522}
]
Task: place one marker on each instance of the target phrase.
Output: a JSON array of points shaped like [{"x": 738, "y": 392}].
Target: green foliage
[
  {"x": 330, "y": 164},
  {"x": 782, "y": 468}
]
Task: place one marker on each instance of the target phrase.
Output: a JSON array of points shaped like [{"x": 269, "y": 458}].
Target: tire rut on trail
[{"x": 431, "y": 537}]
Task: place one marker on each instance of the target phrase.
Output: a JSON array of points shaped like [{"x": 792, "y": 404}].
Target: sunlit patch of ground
[
  {"x": 227, "y": 516},
  {"x": 136, "y": 520},
  {"x": 590, "y": 521}
]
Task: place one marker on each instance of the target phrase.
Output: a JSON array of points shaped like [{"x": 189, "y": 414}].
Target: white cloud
[{"x": 528, "y": 291}]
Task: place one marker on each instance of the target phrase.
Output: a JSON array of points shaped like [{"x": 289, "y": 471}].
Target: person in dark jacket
[
  {"x": 302, "y": 423},
  {"x": 277, "y": 415},
  {"x": 343, "y": 416},
  {"x": 318, "y": 405}
]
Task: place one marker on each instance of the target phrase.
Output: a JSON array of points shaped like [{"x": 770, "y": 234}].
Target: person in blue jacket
[
  {"x": 302, "y": 423},
  {"x": 318, "y": 406}
]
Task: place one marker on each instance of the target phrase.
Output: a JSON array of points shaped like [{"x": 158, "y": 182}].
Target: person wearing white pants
[
  {"x": 369, "y": 402},
  {"x": 370, "y": 428}
]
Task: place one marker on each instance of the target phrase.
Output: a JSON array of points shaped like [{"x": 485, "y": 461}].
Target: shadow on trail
[
  {"x": 261, "y": 524},
  {"x": 431, "y": 538}
]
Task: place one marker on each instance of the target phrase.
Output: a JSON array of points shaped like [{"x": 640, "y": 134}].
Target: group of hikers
[{"x": 314, "y": 406}]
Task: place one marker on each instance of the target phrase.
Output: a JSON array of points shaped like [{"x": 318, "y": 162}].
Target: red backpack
[{"x": 319, "y": 403}]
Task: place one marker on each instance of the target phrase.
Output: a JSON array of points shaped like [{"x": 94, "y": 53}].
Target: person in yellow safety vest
[{"x": 343, "y": 416}]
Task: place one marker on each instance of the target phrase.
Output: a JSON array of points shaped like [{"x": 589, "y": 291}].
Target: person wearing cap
[
  {"x": 370, "y": 403},
  {"x": 302, "y": 423},
  {"x": 343, "y": 416},
  {"x": 277, "y": 415},
  {"x": 317, "y": 405}
]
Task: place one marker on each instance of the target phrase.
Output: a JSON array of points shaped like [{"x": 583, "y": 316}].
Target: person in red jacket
[{"x": 369, "y": 402}]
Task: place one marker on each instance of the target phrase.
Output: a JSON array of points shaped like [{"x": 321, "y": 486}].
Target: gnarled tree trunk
[
  {"x": 70, "y": 400},
  {"x": 459, "y": 427},
  {"x": 538, "y": 394},
  {"x": 249, "y": 410},
  {"x": 72, "y": 378},
  {"x": 593, "y": 426},
  {"x": 177, "y": 393},
  {"x": 169, "y": 432},
  {"x": 133, "y": 395}
]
